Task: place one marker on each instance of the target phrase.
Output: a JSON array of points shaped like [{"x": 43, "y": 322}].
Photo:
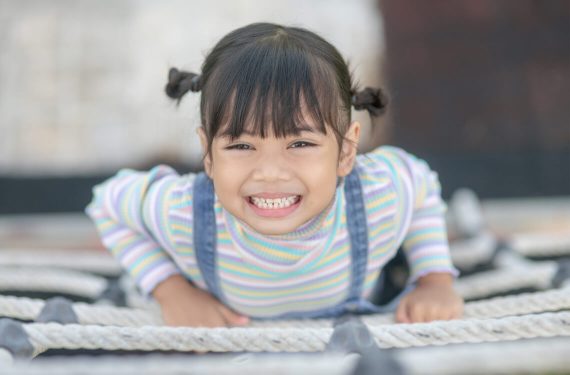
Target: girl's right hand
[{"x": 185, "y": 305}]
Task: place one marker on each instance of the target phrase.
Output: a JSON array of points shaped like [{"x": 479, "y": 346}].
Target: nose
[{"x": 271, "y": 168}]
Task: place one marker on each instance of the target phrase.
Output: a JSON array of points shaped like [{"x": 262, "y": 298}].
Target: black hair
[{"x": 266, "y": 78}]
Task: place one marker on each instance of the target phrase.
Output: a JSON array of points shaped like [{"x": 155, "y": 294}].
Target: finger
[
  {"x": 447, "y": 314},
  {"x": 402, "y": 313},
  {"x": 436, "y": 313},
  {"x": 417, "y": 314},
  {"x": 460, "y": 310},
  {"x": 457, "y": 313},
  {"x": 232, "y": 318}
]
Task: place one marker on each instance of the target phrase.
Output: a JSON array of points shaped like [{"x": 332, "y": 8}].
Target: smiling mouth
[
  {"x": 274, "y": 207},
  {"x": 274, "y": 203}
]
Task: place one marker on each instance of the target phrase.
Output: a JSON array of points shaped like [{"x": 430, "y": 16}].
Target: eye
[
  {"x": 240, "y": 147},
  {"x": 301, "y": 144}
]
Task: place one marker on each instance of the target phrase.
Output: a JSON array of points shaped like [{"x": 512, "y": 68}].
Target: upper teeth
[{"x": 274, "y": 203}]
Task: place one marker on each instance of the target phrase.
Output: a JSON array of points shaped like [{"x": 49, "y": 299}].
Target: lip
[{"x": 274, "y": 212}]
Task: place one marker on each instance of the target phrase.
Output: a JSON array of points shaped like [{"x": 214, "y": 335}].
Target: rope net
[{"x": 517, "y": 296}]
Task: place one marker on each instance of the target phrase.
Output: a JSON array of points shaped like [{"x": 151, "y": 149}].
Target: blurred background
[{"x": 480, "y": 89}]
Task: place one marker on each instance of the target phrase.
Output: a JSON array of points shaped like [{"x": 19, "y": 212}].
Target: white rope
[
  {"x": 522, "y": 304},
  {"x": 51, "y": 280},
  {"x": 498, "y": 307},
  {"x": 465, "y": 212},
  {"x": 473, "y": 331},
  {"x": 467, "y": 254},
  {"x": 80, "y": 260},
  {"x": 57, "y": 336},
  {"x": 541, "y": 245},
  {"x": 5, "y": 358},
  {"x": 538, "y": 275},
  {"x": 24, "y": 308}
]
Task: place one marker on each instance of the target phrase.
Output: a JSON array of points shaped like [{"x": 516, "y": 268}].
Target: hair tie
[
  {"x": 371, "y": 99},
  {"x": 195, "y": 83},
  {"x": 180, "y": 82}
]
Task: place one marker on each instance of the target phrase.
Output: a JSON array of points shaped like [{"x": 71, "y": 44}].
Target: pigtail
[
  {"x": 180, "y": 82},
  {"x": 371, "y": 99}
]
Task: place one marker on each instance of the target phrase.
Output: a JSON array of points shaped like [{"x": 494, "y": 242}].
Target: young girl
[{"x": 286, "y": 221}]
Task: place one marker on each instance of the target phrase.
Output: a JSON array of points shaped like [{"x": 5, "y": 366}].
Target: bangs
[{"x": 273, "y": 87}]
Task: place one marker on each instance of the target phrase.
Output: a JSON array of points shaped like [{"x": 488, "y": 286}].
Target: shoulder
[
  {"x": 167, "y": 204},
  {"x": 392, "y": 161},
  {"x": 138, "y": 188},
  {"x": 384, "y": 162},
  {"x": 153, "y": 178},
  {"x": 385, "y": 157}
]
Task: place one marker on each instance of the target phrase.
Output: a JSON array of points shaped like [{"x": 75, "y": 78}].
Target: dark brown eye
[
  {"x": 301, "y": 144},
  {"x": 239, "y": 146}
]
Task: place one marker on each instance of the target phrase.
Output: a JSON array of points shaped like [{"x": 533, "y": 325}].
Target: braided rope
[
  {"x": 498, "y": 307},
  {"x": 526, "y": 303},
  {"x": 50, "y": 280},
  {"x": 78, "y": 260},
  {"x": 24, "y": 308},
  {"x": 531, "y": 356},
  {"x": 5, "y": 358},
  {"x": 552, "y": 300},
  {"x": 536, "y": 275},
  {"x": 468, "y": 253},
  {"x": 57, "y": 336},
  {"x": 541, "y": 245}
]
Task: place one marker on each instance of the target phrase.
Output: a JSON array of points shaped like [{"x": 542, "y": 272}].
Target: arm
[
  {"x": 131, "y": 211},
  {"x": 425, "y": 243},
  {"x": 183, "y": 304},
  {"x": 118, "y": 211},
  {"x": 433, "y": 299}
]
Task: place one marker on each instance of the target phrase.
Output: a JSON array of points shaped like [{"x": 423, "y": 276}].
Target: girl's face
[{"x": 275, "y": 185}]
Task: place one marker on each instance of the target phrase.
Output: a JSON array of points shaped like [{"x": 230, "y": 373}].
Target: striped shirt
[{"x": 145, "y": 219}]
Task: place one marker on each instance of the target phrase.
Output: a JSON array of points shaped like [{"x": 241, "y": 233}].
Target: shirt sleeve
[
  {"x": 130, "y": 212},
  {"x": 422, "y": 214}
]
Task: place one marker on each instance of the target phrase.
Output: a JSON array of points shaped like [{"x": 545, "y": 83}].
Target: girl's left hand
[{"x": 431, "y": 300}]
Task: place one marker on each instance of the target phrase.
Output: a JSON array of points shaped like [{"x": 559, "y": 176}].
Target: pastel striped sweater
[{"x": 145, "y": 220}]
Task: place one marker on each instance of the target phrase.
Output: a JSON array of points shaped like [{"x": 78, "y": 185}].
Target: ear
[
  {"x": 207, "y": 158},
  {"x": 348, "y": 149}
]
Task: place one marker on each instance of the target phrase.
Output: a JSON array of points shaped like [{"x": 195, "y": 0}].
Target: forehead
[
  {"x": 278, "y": 95},
  {"x": 268, "y": 123}
]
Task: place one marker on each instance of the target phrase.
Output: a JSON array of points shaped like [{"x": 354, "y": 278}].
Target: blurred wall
[
  {"x": 81, "y": 81},
  {"x": 481, "y": 90}
]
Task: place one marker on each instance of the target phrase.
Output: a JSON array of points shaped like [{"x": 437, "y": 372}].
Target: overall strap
[
  {"x": 358, "y": 231},
  {"x": 204, "y": 232}
]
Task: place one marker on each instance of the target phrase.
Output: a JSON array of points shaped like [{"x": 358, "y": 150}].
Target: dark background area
[{"x": 480, "y": 89}]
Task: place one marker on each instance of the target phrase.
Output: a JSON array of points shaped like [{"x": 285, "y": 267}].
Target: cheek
[
  {"x": 320, "y": 178},
  {"x": 229, "y": 178}
]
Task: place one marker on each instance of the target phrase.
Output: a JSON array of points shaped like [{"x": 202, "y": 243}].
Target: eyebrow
[{"x": 302, "y": 127}]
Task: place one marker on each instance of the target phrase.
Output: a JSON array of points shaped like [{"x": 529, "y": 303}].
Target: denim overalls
[{"x": 205, "y": 238}]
